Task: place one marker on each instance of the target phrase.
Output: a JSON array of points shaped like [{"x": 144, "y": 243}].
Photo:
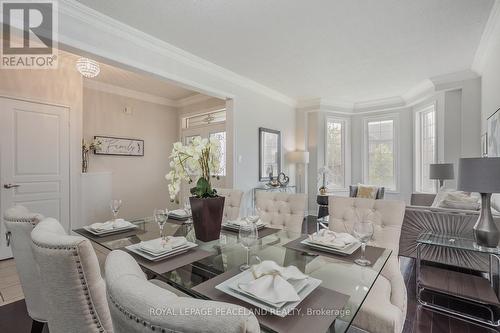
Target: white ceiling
[{"x": 342, "y": 50}]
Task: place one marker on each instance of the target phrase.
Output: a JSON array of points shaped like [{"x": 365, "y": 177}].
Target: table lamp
[
  {"x": 441, "y": 172},
  {"x": 482, "y": 175},
  {"x": 300, "y": 158}
]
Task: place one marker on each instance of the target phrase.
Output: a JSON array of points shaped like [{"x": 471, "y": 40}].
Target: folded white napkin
[
  {"x": 179, "y": 212},
  {"x": 109, "y": 225},
  {"x": 331, "y": 238},
  {"x": 272, "y": 282},
  {"x": 158, "y": 246}
]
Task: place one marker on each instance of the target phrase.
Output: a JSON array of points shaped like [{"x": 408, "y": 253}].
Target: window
[
  {"x": 425, "y": 148},
  {"x": 335, "y": 153},
  {"x": 214, "y": 117},
  {"x": 380, "y": 163},
  {"x": 221, "y": 137}
]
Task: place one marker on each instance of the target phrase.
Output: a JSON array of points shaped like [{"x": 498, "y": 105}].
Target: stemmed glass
[
  {"x": 187, "y": 209},
  {"x": 247, "y": 235},
  {"x": 160, "y": 216},
  {"x": 115, "y": 206},
  {"x": 364, "y": 232}
]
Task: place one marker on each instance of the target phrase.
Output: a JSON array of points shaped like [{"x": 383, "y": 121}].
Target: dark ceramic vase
[{"x": 207, "y": 217}]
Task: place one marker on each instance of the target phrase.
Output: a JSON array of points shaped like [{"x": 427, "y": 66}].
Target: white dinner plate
[
  {"x": 350, "y": 249},
  {"x": 230, "y": 287},
  {"x": 136, "y": 248},
  {"x": 110, "y": 231}
]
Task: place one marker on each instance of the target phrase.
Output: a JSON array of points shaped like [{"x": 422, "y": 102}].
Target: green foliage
[{"x": 203, "y": 189}]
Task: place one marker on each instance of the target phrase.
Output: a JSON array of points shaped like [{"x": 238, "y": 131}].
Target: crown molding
[
  {"x": 137, "y": 38},
  {"x": 377, "y": 104},
  {"x": 441, "y": 82},
  {"x": 418, "y": 93},
  {"x": 490, "y": 31},
  {"x": 116, "y": 90}
]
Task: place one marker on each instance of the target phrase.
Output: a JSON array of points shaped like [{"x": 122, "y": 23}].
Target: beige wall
[
  {"x": 138, "y": 181},
  {"x": 61, "y": 86}
]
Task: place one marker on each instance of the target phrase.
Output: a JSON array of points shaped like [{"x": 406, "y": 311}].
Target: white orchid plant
[{"x": 200, "y": 159}]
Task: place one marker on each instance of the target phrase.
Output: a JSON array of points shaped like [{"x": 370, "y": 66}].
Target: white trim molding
[{"x": 487, "y": 38}]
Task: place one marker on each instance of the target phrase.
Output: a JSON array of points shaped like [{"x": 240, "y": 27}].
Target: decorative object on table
[
  {"x": 269, "y": 153},
  {"x": 494, "y": 134},
  {"x": 484, "y": 145},
  {"x": 363, "y": 231},
  {"x": 441, "y": 172},
  {"x": 160, "y": 216},
  {"x": 86, "y": 148},
  {"x": 283, "y": 179},
  {"x": 115, "y": 206},
  {"x": 273, "y": 183},
  {"x": 482, "y": 175},
  {"x": 199, "y": 161},
  {"x": 247, "y": 236},
  {"x": 119, "y": 146},
  {"x": 323, "y": 173},
  {"x": 300, "y": 158}
]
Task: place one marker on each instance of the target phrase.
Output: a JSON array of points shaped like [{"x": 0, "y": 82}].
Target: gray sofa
[{"x": 420, "y": 218}]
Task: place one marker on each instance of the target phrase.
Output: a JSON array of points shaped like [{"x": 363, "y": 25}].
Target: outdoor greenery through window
[
  {"x": 380, "y": 168},
  {"x": 425, "y": 149},
  {"x": 335, "y": 152}
]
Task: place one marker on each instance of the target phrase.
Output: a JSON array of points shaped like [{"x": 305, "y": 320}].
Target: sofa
[{"x": 420, "y": 217}]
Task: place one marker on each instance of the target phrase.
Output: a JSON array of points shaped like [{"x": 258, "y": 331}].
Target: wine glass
[
  {"x": 247, "y": 235},
  {"x": 187, "y": 209},
  {"x": 115, "y": 206},
  {"x": 160, "y": 216},
  {"x": 364, "y": 232}
]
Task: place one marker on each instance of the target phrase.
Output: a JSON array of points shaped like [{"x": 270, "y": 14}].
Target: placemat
[
  {"x": 372, "y": 252},
  {"x": 261, "y": 233},
  {"x": 170, "y": 264}
]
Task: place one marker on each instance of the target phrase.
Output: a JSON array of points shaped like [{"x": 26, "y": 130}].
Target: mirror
[{"x": 269, "y": 153}]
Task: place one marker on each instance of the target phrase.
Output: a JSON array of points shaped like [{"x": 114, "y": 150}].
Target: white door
[{"x": 34, "y": 160}]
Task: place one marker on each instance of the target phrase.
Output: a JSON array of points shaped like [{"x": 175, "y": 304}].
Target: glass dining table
[{"x": 338, "y": 274}]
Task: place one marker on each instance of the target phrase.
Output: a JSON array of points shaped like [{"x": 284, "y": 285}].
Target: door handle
[{"x": 11, "y": 185}]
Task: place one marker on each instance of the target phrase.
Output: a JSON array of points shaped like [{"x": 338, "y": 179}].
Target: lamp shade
[
  {"x": 441, "y": 171},
  {"x": 480, "y": 174},
  {"x": 298, "y": 157}
]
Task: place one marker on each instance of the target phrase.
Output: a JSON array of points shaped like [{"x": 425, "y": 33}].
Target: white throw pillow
[
  {"x": 449, "y": 198},
  {"x": 495, "y": 201}
]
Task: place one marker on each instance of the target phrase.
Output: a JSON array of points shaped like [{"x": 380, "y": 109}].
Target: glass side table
[{"x": 470, "y": 289}]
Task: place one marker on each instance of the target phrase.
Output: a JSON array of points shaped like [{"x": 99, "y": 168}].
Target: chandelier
[{"x": 88, "y": 67}]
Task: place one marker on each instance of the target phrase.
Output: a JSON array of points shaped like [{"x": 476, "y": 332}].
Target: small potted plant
[
  {"x": 198, "y": 161},
  {"x": 86, "y": 148}
]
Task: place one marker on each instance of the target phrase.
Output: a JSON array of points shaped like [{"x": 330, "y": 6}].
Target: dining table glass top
[{"x": 225, "y": 254}]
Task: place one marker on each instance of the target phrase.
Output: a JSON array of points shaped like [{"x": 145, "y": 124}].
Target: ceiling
[{"x": 343, "y": 50}]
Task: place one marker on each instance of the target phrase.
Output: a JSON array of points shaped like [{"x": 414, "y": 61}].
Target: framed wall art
[{"x": 119, "y": 146}]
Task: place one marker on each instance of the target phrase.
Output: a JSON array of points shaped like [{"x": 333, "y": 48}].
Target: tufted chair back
[
  {"x": 137, "y": 305},
  {"x": 19, "y": 222},
  {"x": 74, "y": 291},
  {"x": 281, "y": 210},
  {"x": 386, "y": 215},
  {"x": 232, "y": 202}
]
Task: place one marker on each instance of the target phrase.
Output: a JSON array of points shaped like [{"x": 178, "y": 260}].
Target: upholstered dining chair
[
  {"x": 384, "y": 309},
  {"x": 137, "y": 305},
  {"x": 232, "y": 203},
  {"x": 19, "y": 222},
  {"x": 281, "y": 210},
  {"x": 73, "y": 288}
]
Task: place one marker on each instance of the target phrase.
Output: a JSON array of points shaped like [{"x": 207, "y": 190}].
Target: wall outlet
[{"x": 127, "y": 110}]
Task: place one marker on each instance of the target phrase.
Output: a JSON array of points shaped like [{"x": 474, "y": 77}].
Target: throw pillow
[{"x": 367, "y": 191}]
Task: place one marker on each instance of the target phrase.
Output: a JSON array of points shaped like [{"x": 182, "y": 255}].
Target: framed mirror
[{"x": 269, "y": 153}]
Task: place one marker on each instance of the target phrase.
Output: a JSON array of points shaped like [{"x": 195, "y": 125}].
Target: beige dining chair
[
  {"x": 74, "y": 291},
  {"x": 384, "y": 309},
  {"x": 137, "y": 305},
  {"x": 232, "y": 202},
  {"x": 19, "y": 222},
  {"x": 281, "y": 210}
]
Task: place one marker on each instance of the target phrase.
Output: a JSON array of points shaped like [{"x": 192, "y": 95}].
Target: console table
[{"x": 471, "y": 289}]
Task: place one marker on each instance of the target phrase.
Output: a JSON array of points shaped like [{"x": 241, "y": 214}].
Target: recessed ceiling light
[{"x": 88, "y": 67}]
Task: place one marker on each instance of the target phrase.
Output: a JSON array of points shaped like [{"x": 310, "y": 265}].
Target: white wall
[{"x": 138, "y": 181}]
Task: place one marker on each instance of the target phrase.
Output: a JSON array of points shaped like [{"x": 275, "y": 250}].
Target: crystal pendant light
[{"x": 88, "y": 67}]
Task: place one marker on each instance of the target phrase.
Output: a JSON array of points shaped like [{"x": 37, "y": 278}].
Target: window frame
[
  {"x": 366, "y": 120},
  {"x": 417, "y": 137},
  {"x": 346, "y": 146}
]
